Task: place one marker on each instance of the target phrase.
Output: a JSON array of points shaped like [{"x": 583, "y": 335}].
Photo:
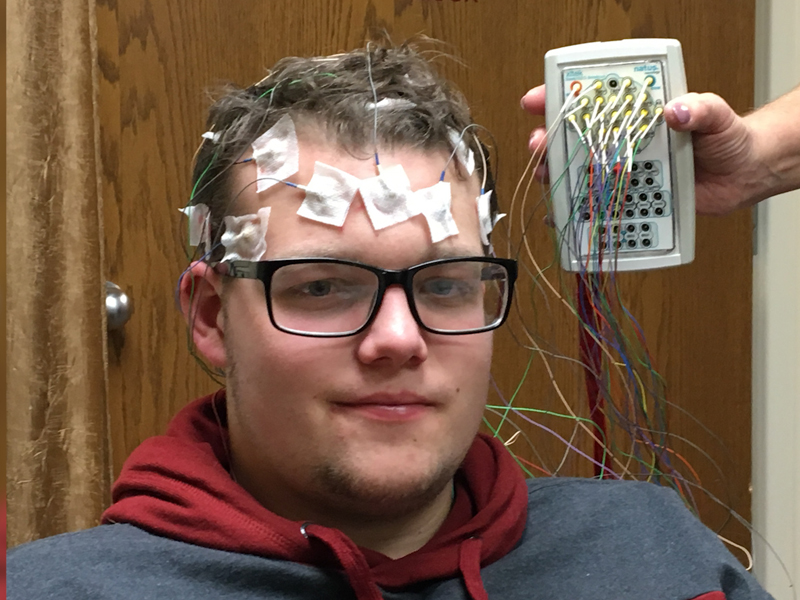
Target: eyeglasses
[{"x": 327, "y": 297}]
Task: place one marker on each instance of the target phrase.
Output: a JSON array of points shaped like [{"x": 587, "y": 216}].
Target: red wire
[{"x": 591, "y": 358}]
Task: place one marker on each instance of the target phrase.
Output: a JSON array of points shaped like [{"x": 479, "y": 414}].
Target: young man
[{"x": 347, "y": 291}]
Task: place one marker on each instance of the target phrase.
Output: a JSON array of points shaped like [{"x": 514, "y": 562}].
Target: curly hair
[{"x": 331, "y": 95}]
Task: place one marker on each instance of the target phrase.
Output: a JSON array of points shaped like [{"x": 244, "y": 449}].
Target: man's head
[
  {"x": 373, "y": 424},
  {"x": 330, "y": 98}
]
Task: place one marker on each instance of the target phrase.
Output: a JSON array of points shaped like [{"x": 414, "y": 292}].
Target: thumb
[
  {"x": 703, "y": 113},
  {"x": 534, "y": 100}
]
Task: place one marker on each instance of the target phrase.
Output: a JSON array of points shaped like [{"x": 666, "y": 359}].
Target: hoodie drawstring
[
  {"x": 357, "y": 570},
  {"x": 469, "y": 562},
  {"x": 350, "y": 558}
]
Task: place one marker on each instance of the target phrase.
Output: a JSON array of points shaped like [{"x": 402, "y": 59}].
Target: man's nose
[{"x": 393, "y": 337}]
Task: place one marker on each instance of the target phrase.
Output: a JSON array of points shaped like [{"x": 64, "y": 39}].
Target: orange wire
[
  {"x": 530, "y": 464},
  {"x": 684, "y": 461}
]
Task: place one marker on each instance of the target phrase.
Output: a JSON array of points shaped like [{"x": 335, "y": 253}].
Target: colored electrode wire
[
  {"x": 374, "y": 105},
  {"x": 624, "y": 392},
  {"x": 590, "y": 356}
]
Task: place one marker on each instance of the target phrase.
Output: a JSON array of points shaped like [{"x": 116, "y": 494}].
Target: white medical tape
[
  {"x": 245, "y": 237},
  {"x": 212, "y": 135},
  {"x": 485, "y": 216},
  {"x": 276, "y": 154},
  {"x": 199, "y": 225},
  {"x": 434, "y": 204},
  {"x": 397, "y": 103},
  {"x": 388, "y": 197},
  {"x": 463, "y": 153},
  {"x": 329, "y": 195}
]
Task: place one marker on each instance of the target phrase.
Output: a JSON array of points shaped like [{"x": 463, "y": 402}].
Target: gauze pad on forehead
[
  {"x": 485, "y": 216},
  {"x": 329, "y": 195},
  {"x": 388, "y": 197},
  {"x": 245, "y": 237},
  {"x": 463, "y": 153},
  {"x": 276, "y": 154},
  {"x": 199, "y": 225},
  {"x": 434, "y": 204}
]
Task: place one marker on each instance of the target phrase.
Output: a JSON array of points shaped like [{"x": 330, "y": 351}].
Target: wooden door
[{"x": 157, "y": 57}]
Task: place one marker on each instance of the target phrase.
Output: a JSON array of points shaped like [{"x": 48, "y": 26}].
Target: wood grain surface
[{"x": 156, "y": 59}]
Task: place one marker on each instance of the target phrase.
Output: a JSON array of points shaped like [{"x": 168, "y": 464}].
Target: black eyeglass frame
[{"x": 263, "y": 271}]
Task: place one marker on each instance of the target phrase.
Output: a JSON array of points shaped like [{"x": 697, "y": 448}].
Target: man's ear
[{"x": 200, "y": 290}]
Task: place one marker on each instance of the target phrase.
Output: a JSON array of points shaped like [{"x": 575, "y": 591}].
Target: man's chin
[{"x": 381, "y": 493}]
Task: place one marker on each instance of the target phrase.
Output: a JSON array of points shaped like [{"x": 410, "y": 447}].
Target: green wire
[
  {"x": 514, "y": 395},
  {"x": 548, "y": 412},
  {"x": 563, "y": 416},
  {"x": 203, "y": 174}
]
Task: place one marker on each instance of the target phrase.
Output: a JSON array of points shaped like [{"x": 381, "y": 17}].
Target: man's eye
[
  {"x": 319, "y": 288},
  {"x": 444, "y": 287},
  {"x": 331, "y": 289}
]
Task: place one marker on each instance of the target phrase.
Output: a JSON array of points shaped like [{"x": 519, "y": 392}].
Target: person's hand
[
  {"x": 728, "y": 174},
  {"x": 728, "y": 171}
]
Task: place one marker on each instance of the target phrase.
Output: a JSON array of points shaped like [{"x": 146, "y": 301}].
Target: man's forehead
[
  {"x": 319, "y": 180},
  {"x": 323, "y": 157}
]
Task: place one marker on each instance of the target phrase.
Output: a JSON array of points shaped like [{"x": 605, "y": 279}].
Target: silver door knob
[{"x": 119, "y": 307}]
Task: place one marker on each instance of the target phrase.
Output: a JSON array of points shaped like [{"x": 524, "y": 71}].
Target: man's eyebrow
[
  {"x": 318, "y": 252},
  {"x": 449, "y": 252}
]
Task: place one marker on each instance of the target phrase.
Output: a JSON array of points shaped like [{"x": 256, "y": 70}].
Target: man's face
[{"x": 371, "y": 424}]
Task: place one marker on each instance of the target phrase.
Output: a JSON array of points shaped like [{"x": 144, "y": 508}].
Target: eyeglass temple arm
[{"x": 240, "y": 269}]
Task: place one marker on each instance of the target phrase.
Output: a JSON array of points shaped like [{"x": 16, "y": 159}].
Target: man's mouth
[{"x": 402, "y": 406}]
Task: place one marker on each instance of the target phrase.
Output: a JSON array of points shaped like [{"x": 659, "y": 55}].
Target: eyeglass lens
[{"x": 330, "y": 298}]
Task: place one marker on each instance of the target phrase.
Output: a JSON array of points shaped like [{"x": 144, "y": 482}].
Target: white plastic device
[{"x": 622, "y": 182}]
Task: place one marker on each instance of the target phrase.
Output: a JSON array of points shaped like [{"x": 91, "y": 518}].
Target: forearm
[{"x": 776, "y": 133}]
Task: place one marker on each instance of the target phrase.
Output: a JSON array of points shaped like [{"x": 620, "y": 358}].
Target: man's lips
[
  {"x": 389, "y": 399},
  {"x": 388, "y": 407}
]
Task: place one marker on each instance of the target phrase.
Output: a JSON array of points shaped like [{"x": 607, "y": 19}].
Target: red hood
[{"x": 178, "y": 486}]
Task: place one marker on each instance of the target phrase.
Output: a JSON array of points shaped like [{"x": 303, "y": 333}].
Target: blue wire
[{"x": 186, "y": 270}]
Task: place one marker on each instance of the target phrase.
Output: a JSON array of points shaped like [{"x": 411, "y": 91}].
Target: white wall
[{"x": 776, "y": 328}]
